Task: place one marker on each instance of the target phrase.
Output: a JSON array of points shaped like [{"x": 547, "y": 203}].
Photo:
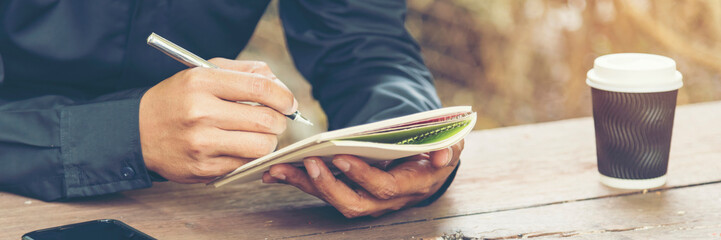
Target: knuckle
[
  {"x": 195, "y": 78},
  {"x": 198, "y": 145},
  {"x": 270, "y": 121},
  {"x": 387, "y": 191},
  {"x": 354, "y": 211},
  {"x": 196, "y": 114},
  {"x": 215, "y": 60},
  {"x": 424, "y": 190},
  {"x": 261, "y": 65},
  {"x": 203, "y": 170},
  {"x": 260, "y": 87}
]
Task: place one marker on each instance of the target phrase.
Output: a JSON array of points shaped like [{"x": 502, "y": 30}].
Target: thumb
[{"x": 447, "y": 156}]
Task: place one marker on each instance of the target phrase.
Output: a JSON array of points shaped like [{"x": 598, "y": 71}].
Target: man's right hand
[{"x": 192, "y": 130}]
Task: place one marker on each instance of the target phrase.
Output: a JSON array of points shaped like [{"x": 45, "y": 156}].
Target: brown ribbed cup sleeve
[{"x": 633, "y": 132}]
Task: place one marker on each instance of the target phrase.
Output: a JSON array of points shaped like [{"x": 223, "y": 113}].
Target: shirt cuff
[
  {"x": 155, "y": 177},
  {"x": 100, "y": 144}
]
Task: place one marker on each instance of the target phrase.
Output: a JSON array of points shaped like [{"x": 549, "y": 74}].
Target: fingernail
[
  {"x": 341, "y": 164},
  {"x": 278, "y": 176},
  {"x": 450, "y": 157},
  {"x": 312, "y": 168}
]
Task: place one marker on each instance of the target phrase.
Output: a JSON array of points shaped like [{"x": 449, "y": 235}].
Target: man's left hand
[{"x": 366, "y": 190}]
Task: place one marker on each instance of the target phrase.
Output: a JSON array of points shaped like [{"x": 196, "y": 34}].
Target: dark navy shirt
[{"x": 72, "y": 74}]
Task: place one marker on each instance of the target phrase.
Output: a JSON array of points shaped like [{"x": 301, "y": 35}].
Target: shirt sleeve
[
  {"x": 363, "y": 64},
  {"x": 55, "y": 147}
]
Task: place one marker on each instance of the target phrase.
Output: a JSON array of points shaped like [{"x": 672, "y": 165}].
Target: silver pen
[{"x": 191, "y": 60}]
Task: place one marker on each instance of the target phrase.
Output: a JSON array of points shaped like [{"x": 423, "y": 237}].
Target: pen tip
[{"x": 304, "y": 120}]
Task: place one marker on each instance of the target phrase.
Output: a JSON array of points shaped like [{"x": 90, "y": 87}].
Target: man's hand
[
  {"x": 192, "y": 130},
  {"x": 369, "y": 190}
]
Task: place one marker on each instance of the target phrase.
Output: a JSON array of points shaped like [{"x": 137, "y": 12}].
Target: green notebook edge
[{"x": 410, "y": 136}]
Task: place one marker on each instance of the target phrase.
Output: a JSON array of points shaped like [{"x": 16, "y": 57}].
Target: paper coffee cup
[{"x": 634, "y": 100}]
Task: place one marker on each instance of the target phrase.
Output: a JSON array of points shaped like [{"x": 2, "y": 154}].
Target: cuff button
[{"x": 127, "y": 172}]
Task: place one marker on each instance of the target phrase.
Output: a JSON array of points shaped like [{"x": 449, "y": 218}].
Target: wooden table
[{"x": 531, "y": 181}]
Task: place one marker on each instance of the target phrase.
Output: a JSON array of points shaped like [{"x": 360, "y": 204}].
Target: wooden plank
[
  {"x": 502, "y": 169},
  {"x": 689, "y": 213}
]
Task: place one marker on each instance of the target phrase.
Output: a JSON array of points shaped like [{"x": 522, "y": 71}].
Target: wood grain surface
[
  {"x": 687, "y": 212},
  {"x": 509, "y": 180}
]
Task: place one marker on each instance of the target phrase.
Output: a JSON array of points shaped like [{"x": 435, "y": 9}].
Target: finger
[
  {"x": 393, "y": 163},
  {"x": 417, "y": 157},
  {"x": 337, "y": 193},
  {"x": 295, "y": 177},
  {"x": 442, "y": 158},
  {"x": 239, "y": 144},
  {"x": 242, "y": 86},
  {"x": 242, "y": 66},
  {"x": 258, "y": 67},
  {"x": 400, "y": 181},
  {"x": 390, "y": 205},
  {"x": 249, "y": 66},
  {"x": 382, "y": 164},
  {"x": 447, "y": 157},
  {"x": 267, "y": 178},
  {"x": 242, "y": 117}
]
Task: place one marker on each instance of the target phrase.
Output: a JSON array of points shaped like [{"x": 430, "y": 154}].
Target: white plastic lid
[{"x": 634, "y": 73}]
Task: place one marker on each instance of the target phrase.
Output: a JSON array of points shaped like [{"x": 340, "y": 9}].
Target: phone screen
[{"x": 108, "y": 229}]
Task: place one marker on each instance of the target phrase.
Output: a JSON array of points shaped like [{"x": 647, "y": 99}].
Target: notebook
[{"x": 379, "y": 141}]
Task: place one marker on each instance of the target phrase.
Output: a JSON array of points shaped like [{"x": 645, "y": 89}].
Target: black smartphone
[{"x": 108, "y": 229}]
